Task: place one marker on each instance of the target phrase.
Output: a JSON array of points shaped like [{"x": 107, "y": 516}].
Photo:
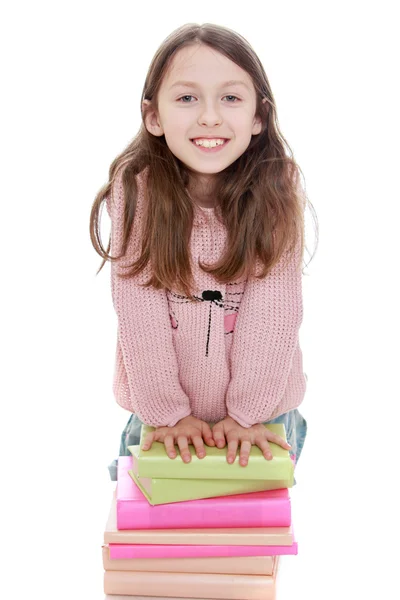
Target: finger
[
  {"x": 160, "y": 433},
  {"x": 207, "y": 434},
  {"x": 277, "y": 439},
  {"x": 264, "y": 447},
  {"x": 148, "y": 440},
  {"x": 197, "y": 442},
  {"x": 184, "y": 448},
  {"x": 170, "y": 446},
  {"x": 218, "y": 436},
  {"x": 233, "y": 440},
  {"x": 245, "y": 447}
]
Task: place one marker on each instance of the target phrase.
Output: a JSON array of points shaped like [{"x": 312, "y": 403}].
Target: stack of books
[{"x": 204, "y": 529}]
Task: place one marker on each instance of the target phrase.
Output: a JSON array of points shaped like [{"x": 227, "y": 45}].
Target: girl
[{"x": 206, "y": 255}]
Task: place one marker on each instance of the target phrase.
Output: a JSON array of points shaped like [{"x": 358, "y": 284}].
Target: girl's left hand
[{"x": 257, "y": 435}]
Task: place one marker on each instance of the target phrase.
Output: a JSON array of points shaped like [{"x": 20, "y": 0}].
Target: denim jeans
[{"x": 295, "y": 425}]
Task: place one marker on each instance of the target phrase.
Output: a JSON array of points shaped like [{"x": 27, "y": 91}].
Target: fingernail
[
  {"x": 230, "y": 460},
  {"x": 200, "y": 454},
  {"x": 144, "y": 447},
  {"x": 172, "y": 454}
]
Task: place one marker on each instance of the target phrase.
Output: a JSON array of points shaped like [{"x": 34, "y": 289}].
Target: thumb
[{"x": 218, "y": 435}]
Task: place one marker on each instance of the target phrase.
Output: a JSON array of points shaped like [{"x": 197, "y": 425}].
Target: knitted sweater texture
[{"x": 233, "y": 352}]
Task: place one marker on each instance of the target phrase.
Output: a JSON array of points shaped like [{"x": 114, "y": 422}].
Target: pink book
[
  {"x": 234, "y": 565},
  {"x": 216, "y": 536},
  {"x": 258, "y": 509},
  {"x": 192, "y": 585},
  {"x": 127, "y": 551}
]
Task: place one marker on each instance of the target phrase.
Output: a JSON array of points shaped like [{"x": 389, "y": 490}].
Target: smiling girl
[{"x": 206, "y": 255}]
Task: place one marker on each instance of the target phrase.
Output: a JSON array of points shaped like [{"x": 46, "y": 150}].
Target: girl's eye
[{"x": 190, "y": 96}]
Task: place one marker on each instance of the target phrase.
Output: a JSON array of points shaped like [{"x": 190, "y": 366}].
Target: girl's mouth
[{"x": 210, "y": 145}]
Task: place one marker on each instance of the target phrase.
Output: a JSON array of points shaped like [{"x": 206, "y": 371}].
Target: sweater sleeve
[
  {"x": 146, "y": 380},
  {"x": 265, "y": 341}
]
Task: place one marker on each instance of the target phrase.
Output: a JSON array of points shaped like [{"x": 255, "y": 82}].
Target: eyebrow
[{"x": 194, "y": 84}]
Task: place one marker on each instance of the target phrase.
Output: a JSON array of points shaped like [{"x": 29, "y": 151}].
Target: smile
[{"x": 209, "y": 145}]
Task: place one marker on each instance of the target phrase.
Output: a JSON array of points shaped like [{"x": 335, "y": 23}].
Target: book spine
[
  {"x": 212, "y": 513},
  {"x": 257, "y": 469},
  {"x": 243, "y": 565},
  {"x": 163, "y": 493},
  {"x": 252, "y": 536},
  {"x": 190, "y": 585},
  {"x": 132, "y": 551}
]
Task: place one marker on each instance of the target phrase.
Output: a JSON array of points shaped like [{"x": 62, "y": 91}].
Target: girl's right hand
[{"x": 187, "y": 430}]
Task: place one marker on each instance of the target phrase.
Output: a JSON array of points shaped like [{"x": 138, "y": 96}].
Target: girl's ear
[
  {"x": 151, "y": 120},
  {"x": 257, "y": 123}
]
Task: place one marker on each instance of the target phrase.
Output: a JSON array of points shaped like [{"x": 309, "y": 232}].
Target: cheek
[
  {"x": 245, "y": 122},
  {"x": 240, "y": 123},
  {"x": 176, "y": 123}
]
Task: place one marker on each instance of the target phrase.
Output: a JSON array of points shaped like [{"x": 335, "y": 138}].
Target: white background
[{"x": 72, "y": 76}]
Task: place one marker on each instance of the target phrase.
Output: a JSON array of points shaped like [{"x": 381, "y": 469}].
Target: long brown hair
[{"x": 260, "y": 199}]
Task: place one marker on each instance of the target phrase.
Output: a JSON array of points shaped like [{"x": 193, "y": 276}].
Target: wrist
[
  {"x": 185, "y": 419},
  {"x": 240, "y": 421},
  {"x": 178, "y": 419}
]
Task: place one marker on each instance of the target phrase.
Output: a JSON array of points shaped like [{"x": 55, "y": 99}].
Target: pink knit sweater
[{"x": 235, "y": 352}]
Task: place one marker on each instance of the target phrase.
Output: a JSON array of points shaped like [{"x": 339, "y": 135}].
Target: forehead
[{"x": 204, "y": 66}]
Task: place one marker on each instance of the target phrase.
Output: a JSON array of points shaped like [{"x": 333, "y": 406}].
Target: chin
[{"x": 207, "y": 169}]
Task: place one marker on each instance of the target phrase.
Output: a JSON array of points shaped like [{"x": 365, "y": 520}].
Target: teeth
[{"x": 209, "y": 143}]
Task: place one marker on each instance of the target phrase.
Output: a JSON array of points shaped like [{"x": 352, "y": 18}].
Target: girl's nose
[{"x": 209, "y": 116}]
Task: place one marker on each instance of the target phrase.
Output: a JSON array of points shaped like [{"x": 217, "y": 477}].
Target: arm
[
  {"x": 146, "y": 379},
  {"x": 264, "y": 343}
]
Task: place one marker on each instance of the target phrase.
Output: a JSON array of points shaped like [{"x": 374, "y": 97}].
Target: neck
[
  {"x": 202, "y": 192},
  {"x": 205, "y": 203}
]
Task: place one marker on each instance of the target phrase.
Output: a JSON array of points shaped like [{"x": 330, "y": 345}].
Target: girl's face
[{"x": 204, "y": 95}]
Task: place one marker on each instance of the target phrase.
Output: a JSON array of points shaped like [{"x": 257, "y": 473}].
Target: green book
[
  {"x": 156, "y": 463},
  {"x": 166, "y": 490},
  {"x": 165, "y": 480}
]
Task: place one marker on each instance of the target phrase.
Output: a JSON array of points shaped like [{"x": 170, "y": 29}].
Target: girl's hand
[
  {"x": 257, "y": 435},
  {"x": 186, "y": 431}
]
